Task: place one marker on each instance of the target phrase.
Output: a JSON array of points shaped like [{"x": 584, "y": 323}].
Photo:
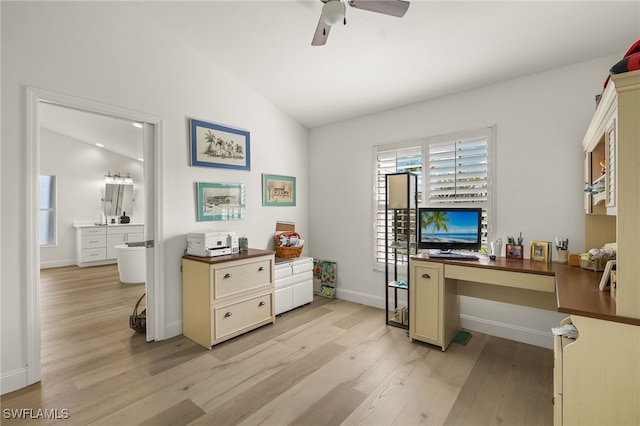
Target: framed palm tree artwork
[{"x": 214, "y": 145}]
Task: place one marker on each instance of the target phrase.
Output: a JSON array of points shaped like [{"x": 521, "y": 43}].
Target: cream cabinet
[
  {"x": 614, "y": 134},
  {"x": 601, "y": 163},
  {"x": 433, "y": 309},
  {"x": 597, "y": 375},
  {"x": 223, "y": 297},
  {"x": 96, "y": 244},
  {"x": 293, "y": 283}
]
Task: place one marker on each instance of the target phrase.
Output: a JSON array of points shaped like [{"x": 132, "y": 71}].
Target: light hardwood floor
[{"x": 328, "y": 363}]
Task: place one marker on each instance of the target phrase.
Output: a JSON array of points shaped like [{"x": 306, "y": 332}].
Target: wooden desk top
[
  {"x": 577, "y": 289},
  {"x": 228, "y": 257}
]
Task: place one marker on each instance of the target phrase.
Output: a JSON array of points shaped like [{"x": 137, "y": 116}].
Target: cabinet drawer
[
  {"x": 93, "y": 231},
  {"x": 282, "y": 272},
  {"x": 93, "y": 255},
  {"x": 139, "y": 229},
  {"x": 93, "y": 241},
  {"x": 283, "y": 282},
  {"x": 521, "y": 280},
  {"x": 231, "y": 280},
  {"x": 283, "y": 299},
  {"x": 302, "y": 293},
  {"x": 300, "y": 267},
  {"x": 240, "y": 316},
  {"x": 299, "y": 278}
]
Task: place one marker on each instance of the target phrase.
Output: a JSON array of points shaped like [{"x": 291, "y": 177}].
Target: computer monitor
[{"x": 450, "y": 228}]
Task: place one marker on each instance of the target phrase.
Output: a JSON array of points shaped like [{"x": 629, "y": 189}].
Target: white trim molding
[{"x": 153, "y": 215}]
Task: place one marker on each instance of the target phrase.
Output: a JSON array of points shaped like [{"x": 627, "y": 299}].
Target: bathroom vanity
[{"x": 96, "y": 244}]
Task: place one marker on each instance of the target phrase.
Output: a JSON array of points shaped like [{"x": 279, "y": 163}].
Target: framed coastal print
[
  {"x": 213, "y": 145},
  {"x": 278, "y": 190},
  {"x": 540, "y": 251},
  {"x": 220, "y": 201}
]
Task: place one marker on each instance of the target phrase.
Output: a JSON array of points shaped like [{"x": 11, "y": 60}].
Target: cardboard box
[{"x": 285, "y": 227}]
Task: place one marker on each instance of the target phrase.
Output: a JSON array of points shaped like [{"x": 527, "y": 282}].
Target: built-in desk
[{"x": 436, "y": 284}]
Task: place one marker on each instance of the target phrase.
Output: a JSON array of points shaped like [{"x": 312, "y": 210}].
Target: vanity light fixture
[
  {"x": 99, "y": 145},
  {"x": 116, "y": 178},
  {"x": 136, "y": 124}
]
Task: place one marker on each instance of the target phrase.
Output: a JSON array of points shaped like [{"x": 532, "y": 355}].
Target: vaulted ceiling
[{"x": 378, "y": 62}]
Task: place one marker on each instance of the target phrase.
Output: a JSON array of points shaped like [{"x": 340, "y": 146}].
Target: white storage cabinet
[
  {"x": 96, "y": 245},
  {"x": 293, "y": 283}
]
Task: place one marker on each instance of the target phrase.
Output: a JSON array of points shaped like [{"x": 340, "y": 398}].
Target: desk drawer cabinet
[
  {"x": 241, "y": 316},
  {"x": 424, "y": 297},
  {"x": 434, "y": 313},
  {"x": 238, "y": 277},
  {"x": 223, "y": 298}
]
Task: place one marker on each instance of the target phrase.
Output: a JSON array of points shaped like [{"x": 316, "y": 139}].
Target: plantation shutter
[
  {"x": 458, "y": 172},
  {"x": 393, "y": 161}
]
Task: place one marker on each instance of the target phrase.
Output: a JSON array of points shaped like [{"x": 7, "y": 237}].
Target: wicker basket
[
  {"x": 138, "y": 321},
  {"x": 596, "y": 265},
  {"x": 287, "y": 252}
]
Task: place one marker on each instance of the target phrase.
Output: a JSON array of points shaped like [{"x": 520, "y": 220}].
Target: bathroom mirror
[{"x": 118, "y": 198}]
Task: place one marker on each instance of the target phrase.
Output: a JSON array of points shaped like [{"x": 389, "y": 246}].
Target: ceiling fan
[{"x": 333, "y": 12}]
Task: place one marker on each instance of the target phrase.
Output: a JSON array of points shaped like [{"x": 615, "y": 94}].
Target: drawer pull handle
[
  {"x": 427, "y": 276},
  {"x": 228, "y": 314},
  {"x": 227, "y": 275},
  {"x": 261, "y": 268},
  {"x": 261, "y": 303}
]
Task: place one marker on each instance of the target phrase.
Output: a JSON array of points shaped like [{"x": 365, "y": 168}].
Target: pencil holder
[{"x": 562, "y": 256}]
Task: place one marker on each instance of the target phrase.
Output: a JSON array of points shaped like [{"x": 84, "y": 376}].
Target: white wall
[
  {"x": 80, "y": 169},
  {"x": 540, "y": 122},
  {"x": 104, "y": 52}
]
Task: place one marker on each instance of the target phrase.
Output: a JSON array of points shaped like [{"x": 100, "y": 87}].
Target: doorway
[{"x": 152, "y": 214}]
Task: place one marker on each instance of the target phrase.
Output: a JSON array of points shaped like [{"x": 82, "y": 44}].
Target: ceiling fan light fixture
[{"x": 333, "y": 12}]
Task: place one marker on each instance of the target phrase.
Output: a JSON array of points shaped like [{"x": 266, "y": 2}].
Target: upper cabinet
[
  {"x": 600, "y": 146},
  {"x": 613, "y": 138}
]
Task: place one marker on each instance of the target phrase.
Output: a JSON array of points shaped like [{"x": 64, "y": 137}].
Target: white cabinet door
[
  {"x": 113, "y": 240},
  {"x": 283, "y": 299}
]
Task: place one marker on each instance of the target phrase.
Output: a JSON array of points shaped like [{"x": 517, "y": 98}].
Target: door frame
[{"x": 152, "y": 145}]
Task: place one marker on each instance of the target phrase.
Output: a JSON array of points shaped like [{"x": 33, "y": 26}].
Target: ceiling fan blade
[
  {"x": 388, "y": 7},
  {"x": 321, "y": 34}
]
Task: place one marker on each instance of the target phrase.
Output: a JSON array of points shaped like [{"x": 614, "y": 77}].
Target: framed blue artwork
[{"x": 213, "y": 145}]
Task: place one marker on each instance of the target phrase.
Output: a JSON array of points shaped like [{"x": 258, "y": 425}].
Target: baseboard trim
[
  {"x": 481, "y": 325},
  {"x": 57, "y": 264},
  {"x": 173, "y": 329},
  {"x": 519, "y": 334},
  {"x": 361, "y": 298},
  {"x": 13, "y": 380}
]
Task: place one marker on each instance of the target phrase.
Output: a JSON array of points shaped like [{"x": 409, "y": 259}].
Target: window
[
  {"x": 456, "y": 168},
  {"x": 393, "y": 159},
  {"x": 47, "y": 210}
]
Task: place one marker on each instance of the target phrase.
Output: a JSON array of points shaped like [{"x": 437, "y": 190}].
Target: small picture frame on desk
[
  {"x": 514, "y": 251},
  {"x": 541, "y": 251}
]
